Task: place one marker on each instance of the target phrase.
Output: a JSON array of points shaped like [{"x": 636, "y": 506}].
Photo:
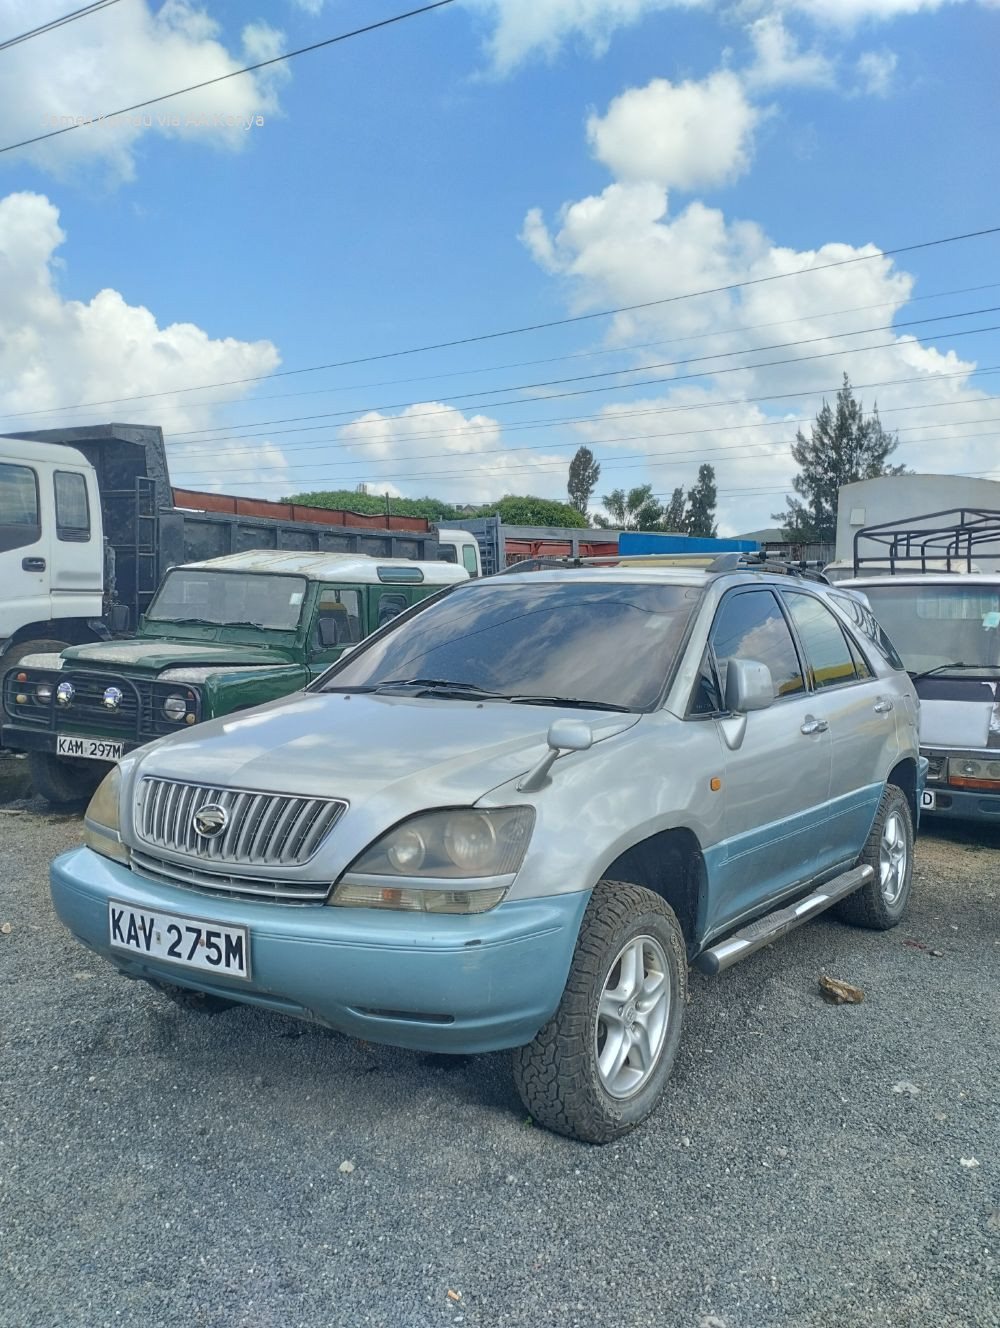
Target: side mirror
[
  {"x": 570, "y": 735},
  {"x": 749, "y": 686},
  {"x": 329, "y": 632}
]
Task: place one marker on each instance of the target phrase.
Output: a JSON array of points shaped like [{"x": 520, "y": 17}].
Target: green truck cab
[{"x": 219, "y": 636}]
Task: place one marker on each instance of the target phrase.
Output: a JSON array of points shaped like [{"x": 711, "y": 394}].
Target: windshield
[
  {"x": 610, "y": 644},
  {"x": 936, "y": 625},
  {"x": 196, "y": 595}
]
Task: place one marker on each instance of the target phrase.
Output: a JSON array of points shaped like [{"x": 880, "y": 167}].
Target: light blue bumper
[{"x": 432, "y": 982}]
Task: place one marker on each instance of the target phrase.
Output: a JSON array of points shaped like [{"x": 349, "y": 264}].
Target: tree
[
  {"x": 635, "y": 510},
  {"x": 845, "y": 445},
  {"x": 527, "y": 510},
  {"x": 584, "y": 472},
  {"x": 373, "y": 504},
  {"x": 700, "y": 516},
  {"x": 675, "y": 512}
]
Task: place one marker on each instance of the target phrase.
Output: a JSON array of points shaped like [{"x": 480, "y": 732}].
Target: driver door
[{"x": 336, "y": 624}]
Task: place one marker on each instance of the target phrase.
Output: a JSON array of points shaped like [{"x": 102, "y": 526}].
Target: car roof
[
  {"x": 32, "y": 451},
  {"x": 336, "y": 567},
  {"x": 629, "y": 573}
]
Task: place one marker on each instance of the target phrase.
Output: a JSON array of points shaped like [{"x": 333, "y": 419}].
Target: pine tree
[
  {"x": 584, "y": 473},
  {"x": 635, "y": 510},
  {"x": 845, "y": 445},
  {"x": 700, "y": 518},
  {"x": 675, "y": 512}
]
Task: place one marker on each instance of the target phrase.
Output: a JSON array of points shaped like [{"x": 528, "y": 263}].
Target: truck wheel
[
  {"x": 881, "y": 903},
  {"x": 599, "y": 1066},
  {"x": 62, "y": 782},
  {"x": 15, "y": 654}
]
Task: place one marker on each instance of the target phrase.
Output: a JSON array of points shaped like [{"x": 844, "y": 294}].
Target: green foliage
[
  {"x": 373, "y": 504},
  {"x": 675, "y": 512},
  {"x": 700, "y": 516},
  {"x": 527, "y": 510},
  {"x": 584, "y": 472},
  {"x": 845, "y": 445},
  {"x": 635, "y": 510}
]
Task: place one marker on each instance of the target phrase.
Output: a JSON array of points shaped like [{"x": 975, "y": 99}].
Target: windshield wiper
[
  {"x": 571, "y": 702},
  {"x": 242, "y": 622},
  {"x": 440, "y": 687},
  {"x": 942, "y": 668},
  {"x": 188, "y": 622}
]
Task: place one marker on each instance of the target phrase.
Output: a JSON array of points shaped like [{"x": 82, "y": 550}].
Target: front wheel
[
  {"x": 599, "y": 1066},
  {"x": 888, "y": 850},
  {"x": 63, "y": 782}
]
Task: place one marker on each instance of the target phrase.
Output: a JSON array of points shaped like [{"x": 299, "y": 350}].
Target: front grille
[
  {"x": 261, "y": 829},
  {"x": 229, "y": 883}
]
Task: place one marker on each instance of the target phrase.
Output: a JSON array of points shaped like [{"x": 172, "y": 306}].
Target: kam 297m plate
[
  {"x": 88, "y": 749},
  {"x": 174, "y": 939}
]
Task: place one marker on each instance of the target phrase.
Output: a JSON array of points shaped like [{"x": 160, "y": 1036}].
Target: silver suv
[{"x": 513, "y": 817}]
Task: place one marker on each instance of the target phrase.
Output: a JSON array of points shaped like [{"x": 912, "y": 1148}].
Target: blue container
[{"x": 642, "y": 541}]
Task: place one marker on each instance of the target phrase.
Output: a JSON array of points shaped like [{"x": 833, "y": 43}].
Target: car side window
[
  {"x": 390, "y": 606},
  {"x": 750, "y": 625},
  {"x": 706, "y": 698},
  {"x": 866, "y": 622},
  {"x": 20, "y": 520},
  {"x": 824, "y": 641},
  {"x": 72, "y": 506}
]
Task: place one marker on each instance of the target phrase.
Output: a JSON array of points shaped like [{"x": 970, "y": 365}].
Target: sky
[{"x": 260, "y": 266}]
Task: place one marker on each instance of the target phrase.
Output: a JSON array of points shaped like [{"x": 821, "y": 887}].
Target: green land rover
[{"x": 219, "y": 636}]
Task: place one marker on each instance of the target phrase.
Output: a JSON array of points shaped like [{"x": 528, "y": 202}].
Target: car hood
[
  {"x": 153, "y": 655},
  {"x": 416, "y": 752}
]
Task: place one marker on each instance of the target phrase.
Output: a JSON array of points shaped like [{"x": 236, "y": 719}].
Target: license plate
[
  {"x": 89, "y": 749},
  {"x": 189, "y": 942},
  {"x": 928, "y": 800}
]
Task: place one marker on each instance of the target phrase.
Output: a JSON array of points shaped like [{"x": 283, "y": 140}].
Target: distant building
[{"x": 902, "y": 497}]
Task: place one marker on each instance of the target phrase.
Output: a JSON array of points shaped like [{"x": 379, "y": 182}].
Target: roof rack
[
  {"x": 714, "y": 564},
  {"x": 952, "y": 535}
]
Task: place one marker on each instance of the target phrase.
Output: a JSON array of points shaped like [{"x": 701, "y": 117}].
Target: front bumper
[
  {"x": 963, "y": 804},
  {"x": 431, "y": 982},
  {"x": 21, "y": 738}
]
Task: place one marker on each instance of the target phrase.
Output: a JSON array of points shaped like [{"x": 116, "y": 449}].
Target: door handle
[
  {"x": 883, "y": 705},
  {"x": 813, "y": 725},
  {"x": 33, "y": 564}
]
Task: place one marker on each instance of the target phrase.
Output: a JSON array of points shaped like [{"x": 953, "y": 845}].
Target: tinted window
[
  {"x": 72, "y": 507},
  {"x": 866, "y": 622},
  {"x": 827, "y": 653},
  {"x": 343, "y": 609},
  {"x": 752, "y": 626},
  {"x": 527, "y": 636},
  {"x": 19, "y": 520}
]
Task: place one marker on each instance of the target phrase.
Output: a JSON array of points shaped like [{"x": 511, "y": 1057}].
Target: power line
[
  {"x": 514, "y": 331},
  {"x": 235, "y": 73},
  {"x": 603, "y": 351},
  {"x": 56, "y": 23},
  {"x": 587, "y": 391}
]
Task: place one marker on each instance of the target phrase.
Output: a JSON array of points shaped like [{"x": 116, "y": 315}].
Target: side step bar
[{"x": 779, "y": 923}]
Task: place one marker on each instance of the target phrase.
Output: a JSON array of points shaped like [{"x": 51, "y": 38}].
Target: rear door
[
  {"x": 25, "y": 546},
  {"x": 776, "y": 781},
  {"x": 857, "y": 706}
]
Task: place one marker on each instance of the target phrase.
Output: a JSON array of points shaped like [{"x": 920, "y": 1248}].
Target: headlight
[
  {"x": 101, "y": 823},
  {"x": 43, "y": 693},
  {"x": 461, "y": 845},
  {"x": 457, "y": 845},
  {"x": 175, "y": 707}
]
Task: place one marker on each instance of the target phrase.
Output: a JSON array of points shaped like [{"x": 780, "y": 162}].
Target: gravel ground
[{"x": 160, "y": 1167}]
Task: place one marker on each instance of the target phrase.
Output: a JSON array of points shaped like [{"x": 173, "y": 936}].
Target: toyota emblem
[{"x": 210, "y": 820}]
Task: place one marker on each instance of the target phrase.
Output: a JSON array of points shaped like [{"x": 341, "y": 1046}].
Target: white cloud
[
  {"x": 54, "y": 352},
  {"x": 310, "y": 6},
  {"x": 849, "y": 12},
  {"x": 686, "y": 135},
  {"x": 779, "y": 61},
  {"x": 522, "y": 28},
  {"x": 120, "y": 57},
  {"x": 876, "y": 70}
]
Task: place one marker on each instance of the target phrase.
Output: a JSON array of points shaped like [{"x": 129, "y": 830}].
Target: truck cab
[
  {"x": 220, "y": 635},
  {"x": 51, "y": 547}
]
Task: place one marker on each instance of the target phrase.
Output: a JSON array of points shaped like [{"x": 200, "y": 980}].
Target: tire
[
  {"x": 12, "y": 657},
  {"x": 881, "y": 903},
  {"x": 63, "y": 782},
  {"x": 559, "y": 1074}
]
